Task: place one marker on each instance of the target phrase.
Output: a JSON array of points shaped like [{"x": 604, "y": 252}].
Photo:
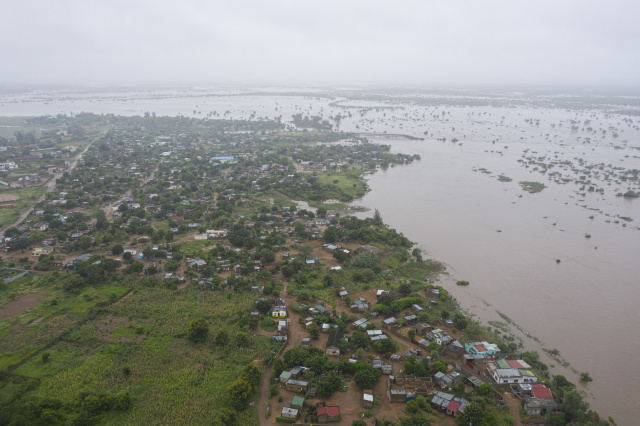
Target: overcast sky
[{"x": 395, "y": 42}]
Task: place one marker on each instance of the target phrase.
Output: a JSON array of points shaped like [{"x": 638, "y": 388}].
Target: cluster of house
[
  {"x": 430, "y": 334},
  {"x": 8, "y": 165},
  {"x": 210, "y": 234},
  {"x": 294, "y": 381},
  {"x": 448, "y": 403}
]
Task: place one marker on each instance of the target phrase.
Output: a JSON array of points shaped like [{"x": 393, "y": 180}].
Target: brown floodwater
[{"x": 506, "y": 241}]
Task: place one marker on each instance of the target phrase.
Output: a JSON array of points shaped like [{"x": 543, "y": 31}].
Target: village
[{"x": 346, "y": 320}]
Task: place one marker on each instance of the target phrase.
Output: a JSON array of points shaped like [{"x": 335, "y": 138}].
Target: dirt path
[{"x": 294, "y": 338}]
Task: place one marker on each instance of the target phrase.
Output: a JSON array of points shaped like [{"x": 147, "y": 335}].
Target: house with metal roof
[
  {"x": 333, "y": 341},
  {"x": 511, "y": 371},
  {"x": 285, "y": 376},
  {"x": 295, "y": 385},
  {"x": 482, "y": 348},
  {"x": 448, "y": 403},
  {"x": 297, "y": 402},
  {"x": 289, "y": 413}
]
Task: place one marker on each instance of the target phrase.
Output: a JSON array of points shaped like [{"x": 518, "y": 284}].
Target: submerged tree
[{"x": 377, "y": 217}]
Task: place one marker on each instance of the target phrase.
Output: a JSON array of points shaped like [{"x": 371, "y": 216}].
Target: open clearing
[
  {"x": 8, "y": 197},
  {"x": 23, "y": 303}
]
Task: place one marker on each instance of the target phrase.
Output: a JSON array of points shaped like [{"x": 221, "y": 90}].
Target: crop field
[
  {"x": 137, "y": 344},
  {"x": 26, "y": 198}
]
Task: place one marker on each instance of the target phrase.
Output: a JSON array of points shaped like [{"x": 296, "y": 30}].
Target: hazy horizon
[{"x": 406, "y": 43}]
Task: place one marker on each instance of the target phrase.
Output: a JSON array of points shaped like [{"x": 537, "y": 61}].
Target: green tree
[
  {"x": 377, "y": 217},
  {"x": 585, "y": 377},
  {"x": 123, "y": 401},
  {"x": 198, "y": 330},
  {"x": 314, "y": 330},
  {"x": 172, "y": 266},
  {"x": 366, "y": 378},
  {"x": 117, "y": 249},
  {"x": 440, "y": 366},
  {"x": 222, "y": 338},
  {"x": 366, "y": 260},
  {"x": 136, "y": 267},
  {"x": 225, "y": 417},
  {"x": 473, "y": 415},
  {"x": 263, "y": 306},
  {"x": 252, "y": 374},
  {"x": 573, "y": 406},
  {"x": 239, "y": 391},
  {"x": 404, "y": 289},
  {"x": 84, "y": 242}
]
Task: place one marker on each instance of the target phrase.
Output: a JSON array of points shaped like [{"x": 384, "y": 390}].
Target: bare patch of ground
[
  {"x": 24, "y": 302},
  {"x": 107, "y": 324},
  {"x": 8, "y": 197}
]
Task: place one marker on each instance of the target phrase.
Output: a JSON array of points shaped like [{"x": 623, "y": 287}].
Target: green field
[
  {"x": 28, "y": 197},
  {"x": 348, "y": 183},
  {"x": 171, "y": 380}
]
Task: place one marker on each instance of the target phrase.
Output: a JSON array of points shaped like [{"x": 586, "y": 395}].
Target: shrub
[
  {"x": 274, "y": 390},
  {"x": 123, "y": 401}
]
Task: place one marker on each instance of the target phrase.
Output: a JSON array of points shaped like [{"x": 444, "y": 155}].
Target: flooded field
[{"x": 520, "y": 194}]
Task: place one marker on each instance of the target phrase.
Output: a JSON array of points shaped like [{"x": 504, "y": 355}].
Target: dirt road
[{"x": 51, "y": 184}]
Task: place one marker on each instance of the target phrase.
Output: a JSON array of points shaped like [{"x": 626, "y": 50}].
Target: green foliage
[
  {"x": 263, "y": 306},
  {"x": 274, "y": 390},
  {"x": 473, "y": 415},
  {"x": 225, "y": 417},
  {"x": 532, "y": 187},
  {"x": 123, "y": 401},
  {"x": 365, "y": 260},
  {"x": 585, "y": 377},
  {"x": 239, "y": 392},
  {"x": 328, "y": 385},
  {"x": 222, "y": 338},
  {"x": 440, "y": 366},
  {"x": 314, "y": 330},
  {"x": 252, "y": 374},
  {"x": 366, "y": 376},
  {"x": 198, "y": 330},
  {"x": 385, "y": 346}
]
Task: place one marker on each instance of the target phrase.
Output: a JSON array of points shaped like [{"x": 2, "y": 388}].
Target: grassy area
[
  {"x": 15, "y": 124},
  {"x": 348, "y": 183},
  {"x": 28, "y": 197},
  {"x": 171, "y": 380}
]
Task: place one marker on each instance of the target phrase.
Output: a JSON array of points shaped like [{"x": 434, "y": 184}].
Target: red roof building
[
  {"x": 515, "y": 364},
  {"x": 541, "y": 391},
  {"x": 453, "y": 406},
  {"x": 329, "y": 414}
]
